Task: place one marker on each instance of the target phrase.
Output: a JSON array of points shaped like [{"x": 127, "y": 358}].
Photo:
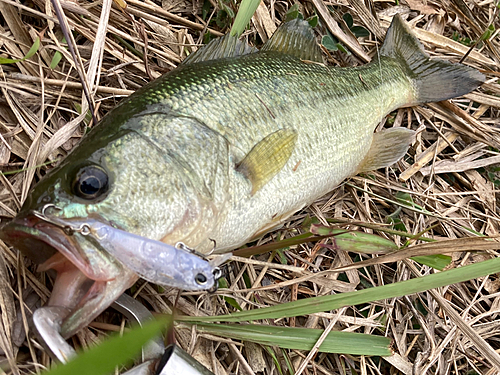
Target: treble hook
[
  {"x": 41, "y": 214},
  {"x": 83, "y": 229},
  {"x": 217, "y": 272},
  {"x": 183, "y": 246}
]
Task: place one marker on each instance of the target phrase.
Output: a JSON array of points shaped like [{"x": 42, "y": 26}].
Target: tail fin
[{"x": 434, "y": 80}]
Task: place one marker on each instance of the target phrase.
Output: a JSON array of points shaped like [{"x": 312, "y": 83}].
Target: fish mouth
[{"x": 88, "y": 279}]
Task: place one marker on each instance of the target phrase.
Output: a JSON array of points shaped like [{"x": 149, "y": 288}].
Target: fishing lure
[{"x": 176, "y": 266}]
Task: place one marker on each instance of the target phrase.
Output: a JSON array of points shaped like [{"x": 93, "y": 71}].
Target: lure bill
[{"x": 220, "y": 150}]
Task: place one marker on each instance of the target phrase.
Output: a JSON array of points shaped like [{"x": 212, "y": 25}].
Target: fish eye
[
  {"x": 200, "y": 279},
  {"x": 91, "y": 181}
]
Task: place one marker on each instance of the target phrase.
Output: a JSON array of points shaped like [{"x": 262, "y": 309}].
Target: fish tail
[{"x": 434, "y": 80}]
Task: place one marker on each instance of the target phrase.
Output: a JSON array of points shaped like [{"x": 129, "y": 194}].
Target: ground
[{"x": 444, "y": 189}]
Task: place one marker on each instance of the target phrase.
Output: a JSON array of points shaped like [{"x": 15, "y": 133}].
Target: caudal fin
[{"x": 434, "y": 79}]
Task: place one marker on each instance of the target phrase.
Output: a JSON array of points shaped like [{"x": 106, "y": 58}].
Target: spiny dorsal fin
[
  {"x": 295, "y": 38},
  {"x": 267, "y": 158},
  {"x": 388, "y": 146},
  {"x": 225, "y": 46}
]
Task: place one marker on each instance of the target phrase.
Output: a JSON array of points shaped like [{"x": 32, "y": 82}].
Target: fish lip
[
  {"x": 21, "y": 233},
  {"x": 27, "y": 230}
]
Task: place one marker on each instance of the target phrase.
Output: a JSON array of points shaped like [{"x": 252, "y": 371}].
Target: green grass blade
[
  {"x": 116, "y": 351},
  {"x": 437, "y": 261},
  {"x": 355, "y": 241},
  {"x": 270, "y": 351},
  {"x": 245, "y": 13},
  {"x": 397, "y": 202},
  {"x": 30, "y": 168},
  {"x": 57, "y": 57},
  {"x": 331, "y": 302},
  {"x": 302, "y": 338},
  {"x": 379, "y": 228},
  {"x": 277, "y": 245},
  {"x": 31, "y": 53}
]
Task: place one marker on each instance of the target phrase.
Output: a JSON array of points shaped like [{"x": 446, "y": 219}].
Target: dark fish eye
[
  {"x": 200, "y": 279},
  {"x": 90, "y": 182}
]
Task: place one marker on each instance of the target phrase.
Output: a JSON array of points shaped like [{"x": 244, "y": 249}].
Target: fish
[{"x": 219, "y": 151}]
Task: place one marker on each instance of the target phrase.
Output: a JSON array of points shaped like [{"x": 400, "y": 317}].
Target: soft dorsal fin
[
  {"x": 388, "y": 146},
  {"x": 267, "y": 158},
  {"x": 225, "y": 46},
  {"x": 295, "y": 38}
]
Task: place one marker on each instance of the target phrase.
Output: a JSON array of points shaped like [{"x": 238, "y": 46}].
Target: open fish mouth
[{"x": 88, "y": 279}]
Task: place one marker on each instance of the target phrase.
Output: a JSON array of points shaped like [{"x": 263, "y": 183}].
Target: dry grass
[{"x": 449, "y": 172}]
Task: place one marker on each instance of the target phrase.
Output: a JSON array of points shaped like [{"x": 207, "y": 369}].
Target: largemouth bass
[{"x": 221, "y": 150}]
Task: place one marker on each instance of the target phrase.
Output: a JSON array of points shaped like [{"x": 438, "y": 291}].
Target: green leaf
[
  {"x": 348, "y": 19},
  {"x": 228, "y": 10},
  {"x": 332, "y": 302},
  {"x": 360, "y": 32},
  {"x": 281, "y": 244},
  {"x": 282, "y": 257},
  {"x": 31, "y": 53},
  {"x": 341, "y": 48},
  {"x": 313, "y": 21},
  {"x": 115, "y": 351},
  {"x": 288, "y": 362},
  {"x": 383, "y": 229},
  {"x": 55, "y": 60},
  {"x": 329, "y": 43},
  {"x": 231, "y": 301},
  {"x": 273, "y": 355},
  {"x": 222, "y": 19},
  {"x": 396, "y": 222},
  {"x": 207, "y": 37},
  {"x": 488, "y": 33},
  {"x": 205, "y": 9},
  {"x": 302, "y": 338},
  {"x": 292, "y": 13}
]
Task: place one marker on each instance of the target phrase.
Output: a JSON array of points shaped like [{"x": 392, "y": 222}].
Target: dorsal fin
[
  {"x": 295, "y": 38},
  {"x": 225, "y": 46}
]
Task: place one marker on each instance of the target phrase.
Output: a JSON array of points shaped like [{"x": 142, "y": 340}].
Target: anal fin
[
  {"x": 388, "y": 146},
  {"x": 267, "y": 158}
]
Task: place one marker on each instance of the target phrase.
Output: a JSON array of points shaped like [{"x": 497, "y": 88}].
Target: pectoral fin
[
  {"x": 267, "y": 158},
  {"x": 388, "y": 146}
]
